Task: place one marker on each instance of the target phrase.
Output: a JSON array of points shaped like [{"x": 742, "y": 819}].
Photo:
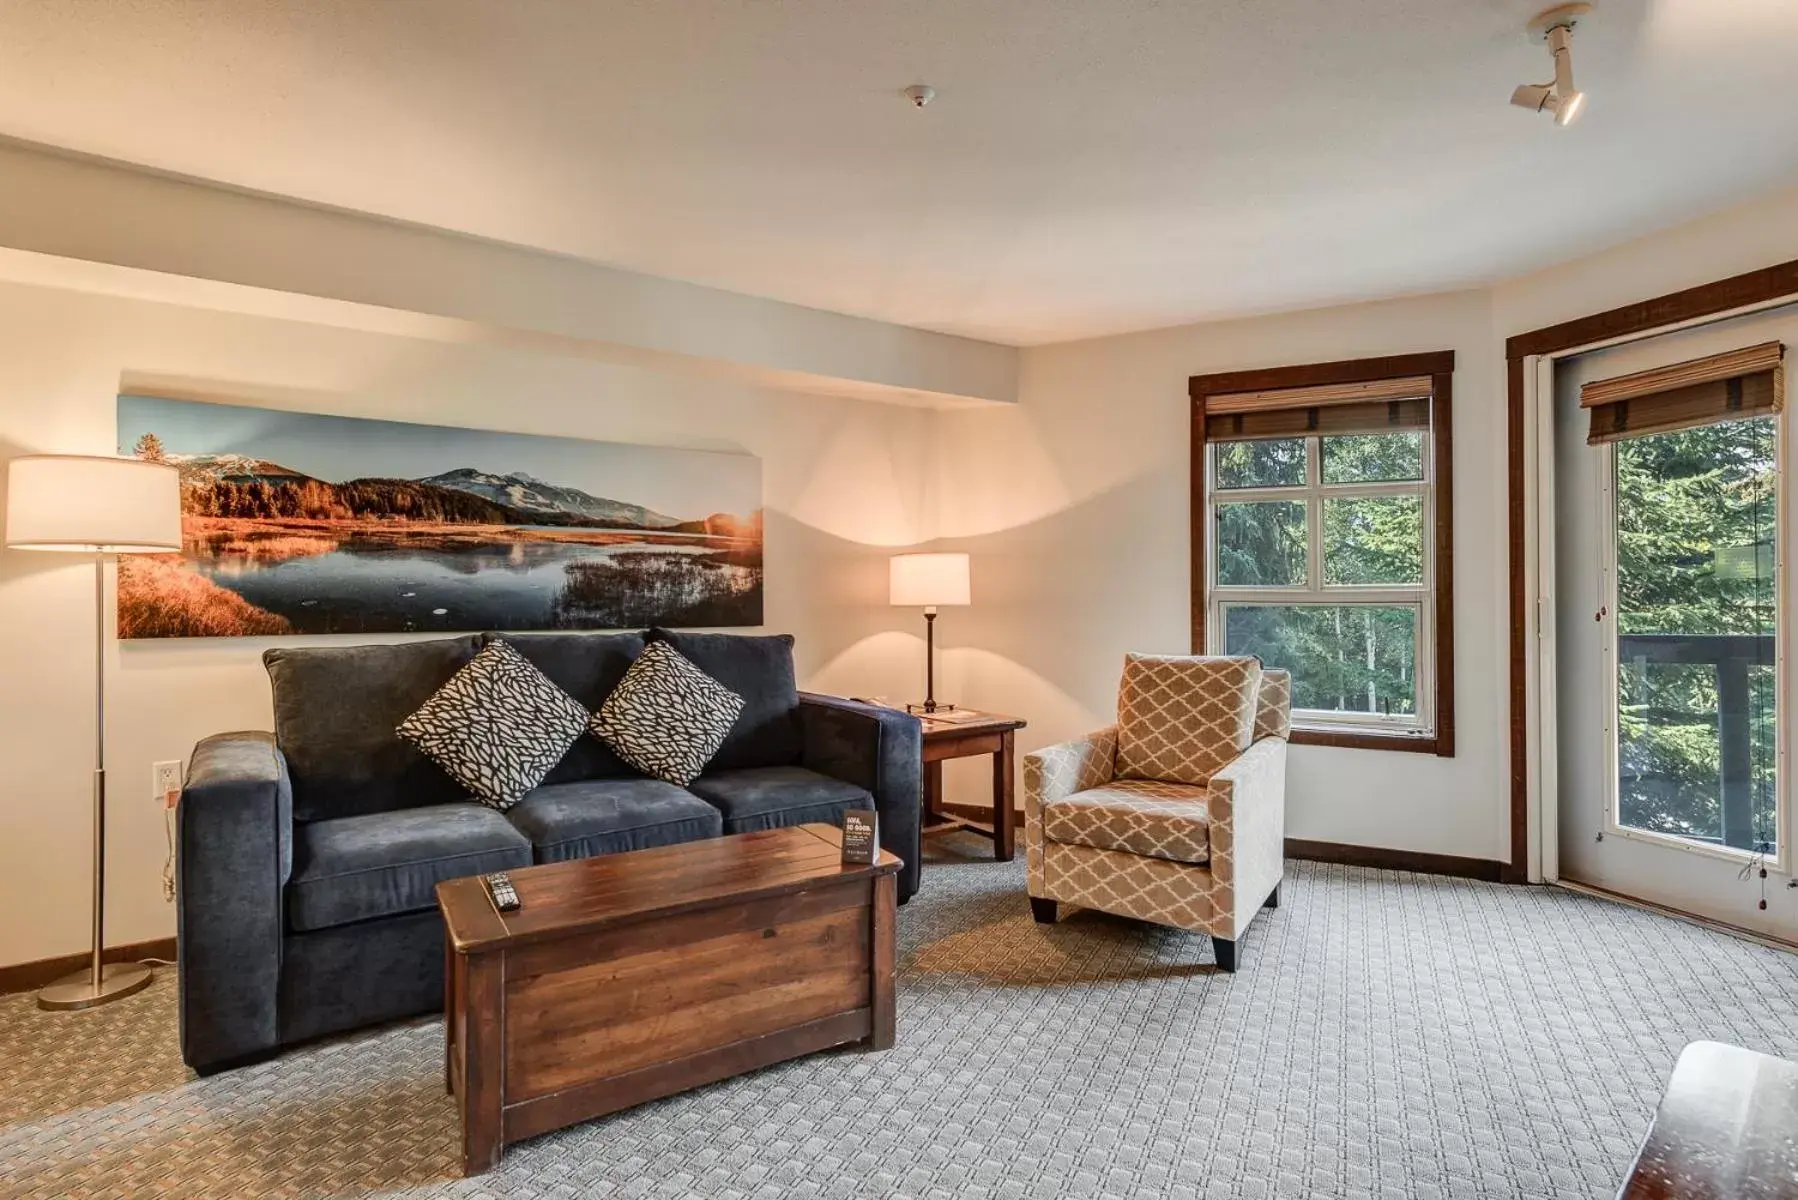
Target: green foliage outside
[
  {"x": 1344, "y": 658},
  {"x": 1696, "y": 532}
]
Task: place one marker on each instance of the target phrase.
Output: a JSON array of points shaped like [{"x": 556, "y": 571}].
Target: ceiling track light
[{"x": 1559, "y": 97}]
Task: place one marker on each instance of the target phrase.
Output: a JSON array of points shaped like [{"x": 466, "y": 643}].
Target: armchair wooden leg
[
  {"x": 1225, "y": 951},
  {"x": 1043, "y": 910},
  {"x": 1273, "y": 898}
]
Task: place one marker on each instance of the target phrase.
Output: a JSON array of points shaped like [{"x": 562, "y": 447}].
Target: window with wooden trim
[{"x": 1322, "y": 541}]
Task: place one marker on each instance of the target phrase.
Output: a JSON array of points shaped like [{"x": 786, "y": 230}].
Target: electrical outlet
[{"x": 165, "y": 781}]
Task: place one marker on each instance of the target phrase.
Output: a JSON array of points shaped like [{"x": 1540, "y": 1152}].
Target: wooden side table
[{"x": 974, "y": 734}]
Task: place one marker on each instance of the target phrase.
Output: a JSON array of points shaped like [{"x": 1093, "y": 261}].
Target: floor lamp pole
[{"x": 98, "y": 983}]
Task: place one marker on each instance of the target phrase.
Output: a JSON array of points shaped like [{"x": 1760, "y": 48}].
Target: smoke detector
[{"x": 1555, "y": 26}]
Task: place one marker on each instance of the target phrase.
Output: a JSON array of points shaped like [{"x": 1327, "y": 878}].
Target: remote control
[{"x": 505, "y": 897}]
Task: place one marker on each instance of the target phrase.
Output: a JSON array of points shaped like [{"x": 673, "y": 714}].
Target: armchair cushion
[
  {"x": 384, "y": 864},
  {"x": 1181, "y": 718},
  {"x": 1139, "y": 816}
]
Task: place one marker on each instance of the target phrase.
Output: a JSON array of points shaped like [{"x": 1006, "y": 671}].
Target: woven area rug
[{"x": 1388, "y": 1035}]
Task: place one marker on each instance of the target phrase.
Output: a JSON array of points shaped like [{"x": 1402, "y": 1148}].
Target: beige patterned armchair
[{"x": 1176, "y": 814}]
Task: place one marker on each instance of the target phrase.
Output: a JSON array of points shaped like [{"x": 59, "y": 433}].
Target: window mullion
[{"x": 1314, "y": 515}]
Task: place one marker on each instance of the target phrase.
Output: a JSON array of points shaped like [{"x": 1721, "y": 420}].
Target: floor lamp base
[{"x": 117, "y": 980}]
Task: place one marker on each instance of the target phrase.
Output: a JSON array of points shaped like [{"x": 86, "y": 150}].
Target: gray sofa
[{"x": 307, "y": 860}]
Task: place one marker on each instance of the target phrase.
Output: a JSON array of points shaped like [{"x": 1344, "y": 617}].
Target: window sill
[{"x": 1372, "y": 740}]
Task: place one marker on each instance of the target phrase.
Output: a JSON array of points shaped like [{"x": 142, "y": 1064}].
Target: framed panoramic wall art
[{"x": 296, "y": 523}]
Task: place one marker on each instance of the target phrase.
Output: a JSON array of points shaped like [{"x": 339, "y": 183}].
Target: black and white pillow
[
  {"x": 498, "y": 726},
  {"x": 666, "y": 717}
]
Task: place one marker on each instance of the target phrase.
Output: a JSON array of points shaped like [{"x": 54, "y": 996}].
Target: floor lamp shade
[
  {"x": 89, "y": 504},
  {"x": 101, "y": 507}
]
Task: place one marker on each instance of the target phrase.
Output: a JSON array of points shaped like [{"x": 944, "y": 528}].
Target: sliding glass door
[{"x": 1673, "y": 527}]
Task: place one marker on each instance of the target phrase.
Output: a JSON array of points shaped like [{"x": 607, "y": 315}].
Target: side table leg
[
  {"x": 933, "y": 792},
  {"x": 1005, "y": 813},
  {"x": 483, "y": 1048},
  {"x": 881, "y": 1001}
]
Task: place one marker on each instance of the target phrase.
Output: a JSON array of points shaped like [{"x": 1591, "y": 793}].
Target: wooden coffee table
[{"x": 633, "y": 976}]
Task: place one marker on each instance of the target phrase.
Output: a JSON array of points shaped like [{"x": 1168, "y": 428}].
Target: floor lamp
[
  {"x": 101, "y": 507},
  {"x": 928, "y": 580}
]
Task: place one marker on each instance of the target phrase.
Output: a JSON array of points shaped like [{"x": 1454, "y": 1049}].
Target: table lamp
[
  {"x": 932, "y": 581},
  {"x": 100, "y": 506}
]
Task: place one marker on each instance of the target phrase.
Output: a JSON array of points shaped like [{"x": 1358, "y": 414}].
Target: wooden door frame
[{"x": 1745, "y": 292}]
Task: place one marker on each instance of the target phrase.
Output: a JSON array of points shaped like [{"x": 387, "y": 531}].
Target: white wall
[
  {"x": 1075, "y": 506},
  {"x": 843, "y": 479},
  {"x": 1075, "y": 503}
]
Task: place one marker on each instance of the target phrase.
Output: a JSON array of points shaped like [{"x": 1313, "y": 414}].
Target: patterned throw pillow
[
  {"x": 666, "y": 717},
  {"x": 497, "y": 727},
  {"x": 1181, "y": 719}
]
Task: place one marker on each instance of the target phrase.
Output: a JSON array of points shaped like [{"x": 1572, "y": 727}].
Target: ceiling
[{"x": 1088, "y": 166}]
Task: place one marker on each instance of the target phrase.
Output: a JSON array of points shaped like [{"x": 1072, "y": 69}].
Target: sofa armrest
[
  {"x": 234, "y": 853},
  {"x": 1247, "y": 804},
  {"x": 880, "y": 750}
]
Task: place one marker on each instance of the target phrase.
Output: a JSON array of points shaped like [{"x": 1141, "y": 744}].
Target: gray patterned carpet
[{"x": 1389, "y": 1035}]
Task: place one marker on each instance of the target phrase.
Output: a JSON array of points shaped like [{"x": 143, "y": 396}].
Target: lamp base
[
  {"x": 117, "y": 980},
  {"x": 928, "y": 707}
]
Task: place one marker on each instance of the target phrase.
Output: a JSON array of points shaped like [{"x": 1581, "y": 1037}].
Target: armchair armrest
[
  {"x": 234, "y": 853},
  {"x": 1055, "y": 772},
  {"x": 880, "y": 750},
  {"x": 1058, "y": 771},
  {"x": 1247, "y": 804}
]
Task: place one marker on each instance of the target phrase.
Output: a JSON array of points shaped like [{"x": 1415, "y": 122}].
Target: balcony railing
[{"x": 1731, "y": 655}]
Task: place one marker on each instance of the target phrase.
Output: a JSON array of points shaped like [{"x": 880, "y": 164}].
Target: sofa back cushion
[
  {"x": 760, "y": 670},
  {"x": 336, "y": 709},
  {"x": 1182, "y": 718},
  {"x": 587, "y": 666}
]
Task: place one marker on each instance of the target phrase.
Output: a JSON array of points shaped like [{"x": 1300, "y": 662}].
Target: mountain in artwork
[{"x": 530, "y": 494}]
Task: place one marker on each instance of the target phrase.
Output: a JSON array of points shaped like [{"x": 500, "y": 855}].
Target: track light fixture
[{"x": 1555, "y": 26}]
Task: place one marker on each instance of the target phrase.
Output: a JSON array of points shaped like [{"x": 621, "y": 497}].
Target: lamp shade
[
  {"x": 92, "y": 504},
  {"x": 929, "y": 580}
]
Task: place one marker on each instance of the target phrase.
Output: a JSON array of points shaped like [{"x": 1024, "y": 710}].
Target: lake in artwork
[{"x": 298, "y": 523}]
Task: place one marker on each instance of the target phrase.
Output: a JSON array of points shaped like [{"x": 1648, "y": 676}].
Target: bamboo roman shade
[
  {"x": 1723, "y": 387},
  {"x": 1379, "y": 406}
]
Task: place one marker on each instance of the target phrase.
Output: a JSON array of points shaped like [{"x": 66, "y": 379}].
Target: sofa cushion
[
  {"x": 606, "y": 816},
  {"x": 498, "y": 726},
  {"x": 759, "y": 669},
  {"x": 1181, "y": 719},
  {"x": 336, "y": 709},
  {"x": 383, "y": 864},
  {"x": 1138, "y": 816},
  {"x": 587, "y": 666},
  {"x": 754, "y": 798},
  {"x": 667, "y": 717}
]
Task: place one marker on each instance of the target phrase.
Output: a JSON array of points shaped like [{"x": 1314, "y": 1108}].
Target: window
[{"x": 1322, "y": 538}]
